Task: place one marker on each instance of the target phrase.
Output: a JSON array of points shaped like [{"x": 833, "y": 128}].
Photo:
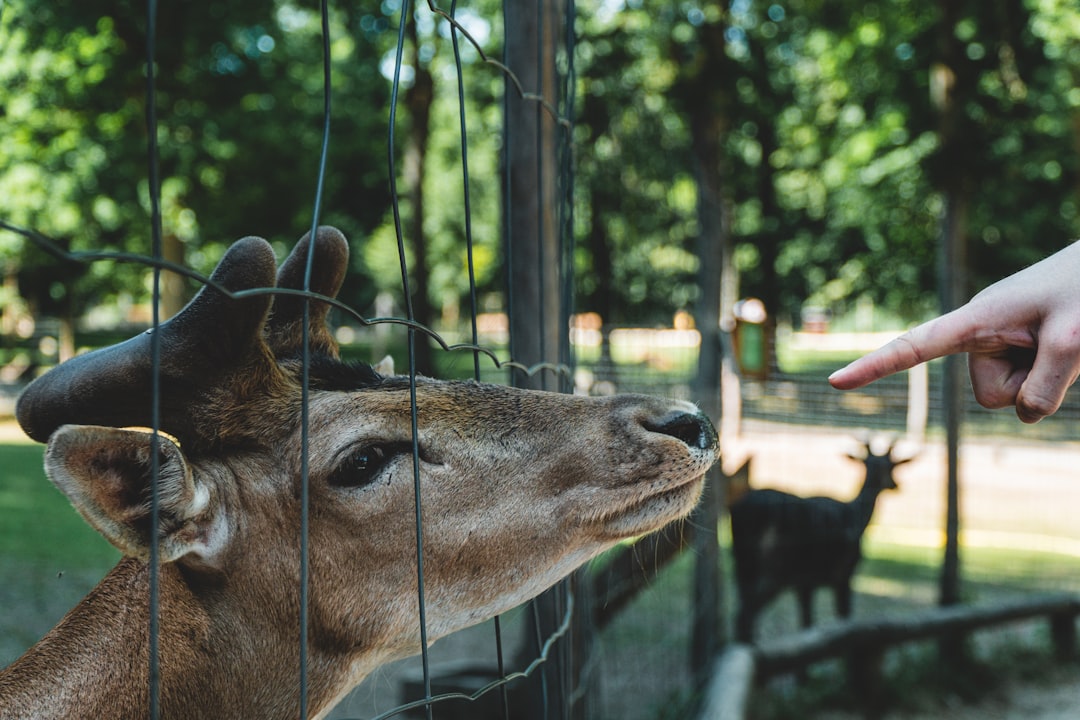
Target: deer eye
[{"x": 360, "y": 467}]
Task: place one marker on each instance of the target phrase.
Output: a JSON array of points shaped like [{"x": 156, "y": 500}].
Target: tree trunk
[
  {"x": 532, "y": 248},
  {"x": 704, "y": 92},
  {"x": 418, "y": 100},
  {"x": 602, "y": 199},
  {"x": 950, "y": 85},
  {"x": 768, "y": 240},
  {"x": 65, "y": 341},
  {"x": 534, "y": 304},
  {"x": 599, "y": 246},
  {"x": 173, "y": 290}
]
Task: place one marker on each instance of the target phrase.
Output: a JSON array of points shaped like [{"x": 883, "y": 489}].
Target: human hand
[{"x": 1022, "y": 336}]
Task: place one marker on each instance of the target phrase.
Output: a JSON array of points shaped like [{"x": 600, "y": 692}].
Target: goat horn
[
  {"x": 284, "y": 330},
  {"x": 213, "y": 335}
]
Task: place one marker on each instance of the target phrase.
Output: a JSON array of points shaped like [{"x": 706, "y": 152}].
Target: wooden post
[
  {"x": 950, "y": 85},
  {"x": 918, "y": 402},
  {"x": 727, "y": 696},
  {"x": 530, "y": 166},
  {"x": 1063, "y": 635},
  {"x": 864, "y": 669},
  {"x": 708, "y": 631},
  {"x": 538, "y": 318}
]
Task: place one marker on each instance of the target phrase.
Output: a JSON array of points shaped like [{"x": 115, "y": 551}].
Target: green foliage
[
  {"x": 834, "y": 169},
  {"x": 239, "y": 133},
  {"x": 239, "y": 107}
]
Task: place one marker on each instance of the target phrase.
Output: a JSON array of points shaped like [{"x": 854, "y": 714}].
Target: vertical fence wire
[
  {"x": 507, "y": 229},
  {"x": 405, "y": 17},
  {"x": 305, "y": 373},
  {"x": 474, "y": 308},
  {"x": 154, "y": 182},
  {"x": 535, "y": 605},
  {"x": 565, "y": 206},
  {"x": 541, "y": 76},
  {"x": 574, "y": 670}
]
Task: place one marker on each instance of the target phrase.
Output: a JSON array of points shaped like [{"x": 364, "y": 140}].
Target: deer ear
[
  {"x": 106, "y": 473},
  {"x": 385, "y": 367}
]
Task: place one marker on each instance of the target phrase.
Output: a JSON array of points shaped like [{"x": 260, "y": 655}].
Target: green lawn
[
  {"x": 49, "y": 556},
  {"x": 37, "y": 523}
]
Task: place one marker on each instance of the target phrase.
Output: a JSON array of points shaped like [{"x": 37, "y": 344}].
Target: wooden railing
[{"x": 864, "y": 644}]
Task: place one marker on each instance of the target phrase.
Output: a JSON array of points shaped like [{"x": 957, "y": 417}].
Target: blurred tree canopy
[
  {"x": 831, "y": 159},
  {"x": 240, "y": 112}
]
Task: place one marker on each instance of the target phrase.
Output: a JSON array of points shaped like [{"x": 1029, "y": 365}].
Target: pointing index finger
[{"x": 941, "y": 336}]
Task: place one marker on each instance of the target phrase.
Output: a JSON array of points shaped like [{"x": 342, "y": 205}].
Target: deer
[
  {"x": 519, "y": 487},
  {"x": 782, "y": 541}
]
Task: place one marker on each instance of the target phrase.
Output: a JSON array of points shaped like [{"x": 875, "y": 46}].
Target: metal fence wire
[{"x": 551, "y": 621}]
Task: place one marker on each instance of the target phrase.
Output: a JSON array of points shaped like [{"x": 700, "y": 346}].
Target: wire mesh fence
[
  {"x": 548, "y": 100},
  {"x": 1017, "y": 494}
]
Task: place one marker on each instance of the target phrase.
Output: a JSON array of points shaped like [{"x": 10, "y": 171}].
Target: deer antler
[
  {"x": 284, "y": 331},
  {"x": 208, "y": 340}
]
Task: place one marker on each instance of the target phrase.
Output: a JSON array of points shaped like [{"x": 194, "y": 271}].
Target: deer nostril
[{"x": 693, "y": 429}]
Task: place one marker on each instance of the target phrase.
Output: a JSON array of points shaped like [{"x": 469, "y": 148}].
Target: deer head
[
  {"x": 879, "y": 466},
  {"x": 518, "y": 488}
]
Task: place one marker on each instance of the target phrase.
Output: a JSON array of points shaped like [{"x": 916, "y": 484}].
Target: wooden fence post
[
  {"x": 918, "y": 402},
  {"x": 1063, "y": 635},
  {"x": 727, "y": 695},
  {"x": 864, "y": 669},
  {"x": 707, "y": 633}
]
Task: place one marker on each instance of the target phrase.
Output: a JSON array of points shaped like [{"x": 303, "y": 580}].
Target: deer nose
[{"x": 694, "y": 429}]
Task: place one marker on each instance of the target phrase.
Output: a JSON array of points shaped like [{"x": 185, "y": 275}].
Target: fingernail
[{"x": 1028, "y": 417}]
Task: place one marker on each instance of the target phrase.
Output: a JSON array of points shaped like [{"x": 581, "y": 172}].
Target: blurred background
[{"x": 834, "y": 172}]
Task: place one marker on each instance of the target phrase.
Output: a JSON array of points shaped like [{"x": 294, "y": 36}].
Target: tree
[
  {"x": 636, "y": 259},
  {"x": 239, "y": 131},
  {"x": 832, "y": 150}
]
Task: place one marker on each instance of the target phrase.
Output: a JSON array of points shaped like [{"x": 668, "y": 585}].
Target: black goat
[{"x": 784, "y": 541}]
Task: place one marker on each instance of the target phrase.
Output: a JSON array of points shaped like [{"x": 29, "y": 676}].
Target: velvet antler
[
  {"x": 212, "y": 340},
  {"x": 284, "y": 331}
]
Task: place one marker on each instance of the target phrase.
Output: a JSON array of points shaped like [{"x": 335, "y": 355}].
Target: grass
[
  {"x": 37, "y": 523},
  {"x": 983, "y": 568},
  {"x": 41, "y": 536},
  {"x": 918, "y": 682},
  {"x": 49, "y": 556},
  {"x": 813, "y": 363}
]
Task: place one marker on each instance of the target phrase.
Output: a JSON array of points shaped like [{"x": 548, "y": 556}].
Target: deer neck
[
  {"x": 864, "y": 504},
  {"x": 95, "y": 663}
]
